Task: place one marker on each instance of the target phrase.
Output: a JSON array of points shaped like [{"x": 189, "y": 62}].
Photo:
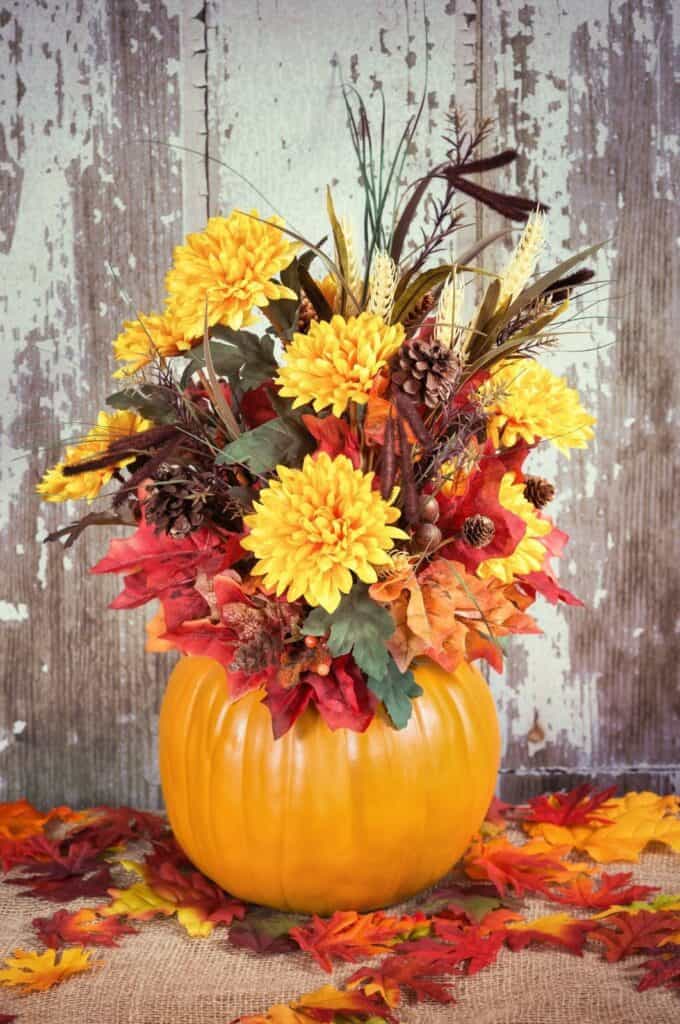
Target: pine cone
[
  {"x": 306, "y": 314},
  {"x": 175, "y": 504},
  {"x": 426, "y": 371},
  {"x": 419, "y": 312},
  {"x": 538, "y": 491},
  {"x": 478, "y": 531}
]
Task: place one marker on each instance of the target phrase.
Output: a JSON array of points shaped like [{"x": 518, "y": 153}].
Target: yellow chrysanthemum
[
  {"x": 314, "y": 527},
  {"x": 141, "y": 339},
  {"x": 530, "y": 402},
  {"x": 529, "y": 554},
  {"x": 54, "y": 486},
  {"x": 231, "y": 264},
  {"x": 337, "y": 362}
]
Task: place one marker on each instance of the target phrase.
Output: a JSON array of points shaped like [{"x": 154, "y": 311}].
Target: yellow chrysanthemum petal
[
  {"x": 529, "y": 554},
  {"x": 316, "y": 528},
  {"x": 141, "y": 339},
  {"x": 54, "y": 486},
  {"x": 529, "y": 402},
  {"x": 230, "y": 265},
  {"x": 337, "y": 362}
]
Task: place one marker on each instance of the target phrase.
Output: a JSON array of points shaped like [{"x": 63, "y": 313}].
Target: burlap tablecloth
[{"x": 162, "y": 976}]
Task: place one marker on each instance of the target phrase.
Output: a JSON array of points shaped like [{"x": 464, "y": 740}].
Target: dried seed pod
[
  {"x": 429, "y": 509},
  {"x": 478, "y": 531}
]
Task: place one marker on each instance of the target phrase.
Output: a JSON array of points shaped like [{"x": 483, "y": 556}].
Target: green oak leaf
[
  {"x": 279, "y": 441},
  {"x": 149, "y": 400},
  {"x": 396, "y": 689},
  {"x": 359, "y": 625}
]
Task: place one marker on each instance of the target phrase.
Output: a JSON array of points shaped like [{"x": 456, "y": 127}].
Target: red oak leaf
[
  {"x": 82, "y": 928},
  {"x": 603, "y": 892},
  {"x": 334, "y": 436},
  {"x": 349, "y": 936},
  {"x": 662, "y": 970},
  {"x": 397, "y": 973},
  {"x": 624, "y": 934},
  {"x": 580, "y": 806}
]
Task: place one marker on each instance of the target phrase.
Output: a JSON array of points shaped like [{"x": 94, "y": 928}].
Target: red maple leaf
[
  {"x": 348, "y": 935},
  {"x": 466, "y": 950},
  {"x": 580, "y": 806},
  {"x": 545, "y": 582},
  {"x": 623, "y": 934},
  {"x": 397, "y": 973},
  {"x": 556, "y": 930},
  {"x": 515, "y": 867},
  {"x": 662, "y": 970},
  {"x": 64, "y": 888},
  {"x": 21, "y": 852},
  {"x": 160, "y": 566},
  {"x": 342, "y": 698},
  {"x": 481, "y": 497},
  {"x": 175, "y": 879},
  {"x": 82, "y": 928},
  {"x": 602, "y": 893},
  {"x": 334, "y": 436},
  {"x": 107, "y": 827}
]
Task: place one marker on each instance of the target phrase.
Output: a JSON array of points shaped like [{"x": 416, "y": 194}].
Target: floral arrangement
[{"x": 323, "y": 456}]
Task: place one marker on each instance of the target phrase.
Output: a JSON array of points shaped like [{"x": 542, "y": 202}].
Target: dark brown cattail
[
  {"x": 478, "y": 531},
  {"x": 538, "y": 491}
]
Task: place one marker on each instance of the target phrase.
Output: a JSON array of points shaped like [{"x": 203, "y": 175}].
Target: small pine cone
[
  {"x": 419, "y": 312},
  {"x": 478, "y": 531},
  {"x": 538, "y": 491},
  {"x": 426, "y": 371},
  {"x": 175, "y": 506},
  {"x": 306, "y": 314}
]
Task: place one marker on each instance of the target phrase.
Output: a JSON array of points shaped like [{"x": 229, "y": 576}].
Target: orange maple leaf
[
  {"x": 328, "y": 998},
  {"x": 450, "y": 616},
  {"x": 19, "y": 819},
  {"x": 559, "y": 930},
  {"x": 35, "y": 972},
  {"x": 533, "y": 867},
  {"x": 635, "y": 820},
  {"x": 349, "y": 936}
]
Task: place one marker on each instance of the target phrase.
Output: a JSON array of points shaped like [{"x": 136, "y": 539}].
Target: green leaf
[
  {"x": 149, "y": 400},
  {"x": 283, "y": 313},
  {"x": 279, "y": 441},
  {"x": 242, "y": 357},
  {"x": 396, "y": 689},
  {"x": 359, "y": 625},
  {"x": 413, "y": 293}
]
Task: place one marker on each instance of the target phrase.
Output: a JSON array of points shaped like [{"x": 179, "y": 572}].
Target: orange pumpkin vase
[{"x": 321, "y": 820}]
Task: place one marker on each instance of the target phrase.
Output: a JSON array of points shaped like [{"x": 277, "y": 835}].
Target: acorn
[
  {"x": 429, "y": 509},
  {"x": 427, "y": 537}
]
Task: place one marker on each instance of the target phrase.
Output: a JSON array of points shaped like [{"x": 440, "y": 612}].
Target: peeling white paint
[
  {"x": 13, "y": 612},
  {"x": 19, "y": 727}
]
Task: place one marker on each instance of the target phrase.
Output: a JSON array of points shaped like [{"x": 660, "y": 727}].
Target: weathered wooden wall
[{"x": 586, "y": 91}]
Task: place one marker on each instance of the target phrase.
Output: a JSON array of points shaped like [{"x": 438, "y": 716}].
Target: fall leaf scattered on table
[
  {"x": 35, "y": 972},
  {"x": 82, "y": 927}
]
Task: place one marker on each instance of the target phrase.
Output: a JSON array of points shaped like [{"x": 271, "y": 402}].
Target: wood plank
[
  {"x": 586, "y": 91},
  {"x": 81, "y": 85}
]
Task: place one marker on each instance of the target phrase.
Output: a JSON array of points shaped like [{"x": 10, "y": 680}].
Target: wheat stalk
[
  {"x": 523, "y": 261},
  {"x": 354, "y": 279},
  {"x": 446, "y": 328},
  {"x": 382, "y": 286}
]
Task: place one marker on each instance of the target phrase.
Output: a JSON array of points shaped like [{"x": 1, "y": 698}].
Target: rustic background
[{"x": 585, "y": 89}]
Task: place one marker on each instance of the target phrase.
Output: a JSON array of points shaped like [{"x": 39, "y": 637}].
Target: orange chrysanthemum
[
  {"x": 230, "y": 266},
  {"x": 316, "y": 528},
  {"x": 337, "y": 362}
]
